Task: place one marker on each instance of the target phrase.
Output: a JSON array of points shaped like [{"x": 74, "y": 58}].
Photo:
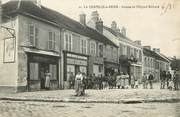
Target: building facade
[
  {"x": 37, "y": 39},
  {"x": 129, "y": 55},
  {"x": 154, "y": 63}
]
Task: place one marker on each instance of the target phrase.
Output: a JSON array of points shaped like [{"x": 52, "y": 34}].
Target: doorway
[{"x": 43, "y": 67}]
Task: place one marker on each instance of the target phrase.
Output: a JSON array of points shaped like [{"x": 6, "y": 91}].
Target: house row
[
  {"x": 155, "y": 62},
  {"x": 35, "y": 39}
]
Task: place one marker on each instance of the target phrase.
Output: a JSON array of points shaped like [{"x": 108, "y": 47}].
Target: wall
[
  {"x": 42, "y": 47},
  {"x": 9, "y": 71}
]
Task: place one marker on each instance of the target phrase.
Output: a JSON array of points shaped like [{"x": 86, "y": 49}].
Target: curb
[{"x": 122, "y": 101}]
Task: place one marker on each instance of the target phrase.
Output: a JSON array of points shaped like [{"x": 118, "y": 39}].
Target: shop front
[
  {"x": 38, "y": 66},
  {"x": 110, "y": 68},
  {"x": 74, "y": 63}
]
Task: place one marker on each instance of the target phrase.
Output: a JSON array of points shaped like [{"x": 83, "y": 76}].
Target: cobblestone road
[
  {"x": 98, "y": 95},
  {"x": 47, "y": 109}
]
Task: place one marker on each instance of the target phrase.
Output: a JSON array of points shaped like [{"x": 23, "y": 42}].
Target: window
[
  {"x": 33, "y": 35},
  {"x": 140, "y": 55},
  {"x": 93, "y": 48},
  {"x": 52, "y": 41},
  {"x": 111, "y": 54},
  {"x": 34, "y": 71},
  {"x": 53, "y": 71},
  {"x": 83, "y": 46},
  {"x": 68, "y": 42},
  {"x": 100, "y": 50},
  {"x": 100, "y": 68},
  {"x": 124, "y": 50},
  {"x": 120, "y": 49},
  {"x": 128, "y": 51}
]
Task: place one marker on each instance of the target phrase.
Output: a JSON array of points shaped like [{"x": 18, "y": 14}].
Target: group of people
[
  {"x": 170, "y": 81},
  {"x": 80, "y": 81}
]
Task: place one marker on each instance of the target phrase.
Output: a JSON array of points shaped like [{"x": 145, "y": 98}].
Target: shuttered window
[
  {"x": 53, "y": 71},
  {"x": 52, "y": 41},
  {"x": 34, "y": 71},
  {"x": 33, "y": 35}
]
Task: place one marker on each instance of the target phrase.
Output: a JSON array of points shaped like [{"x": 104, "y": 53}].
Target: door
[
  {"x": 77, "y": 69},
  {"x": 43, "y": 68}
]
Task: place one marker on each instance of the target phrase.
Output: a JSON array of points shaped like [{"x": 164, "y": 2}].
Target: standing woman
[
  {"x": 47, "y": 79},
  {"x": 132, "y": 80},
  {"x": 78, "y": 84}
]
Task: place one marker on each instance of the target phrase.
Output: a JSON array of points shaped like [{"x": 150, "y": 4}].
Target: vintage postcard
[{"x": 87, "y": 58}]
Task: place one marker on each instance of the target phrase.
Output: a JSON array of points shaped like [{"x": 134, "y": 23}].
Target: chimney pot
[
  {"x": 99, "y": 25},
  {"x": 82, "y": 18},
  {"x": 147, "y": 47},
  {"x": 95, "y": 16},
  {"x": 123, "y": 31}
]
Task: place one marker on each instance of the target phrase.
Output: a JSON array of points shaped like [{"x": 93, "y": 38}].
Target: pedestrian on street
[
  {"x": 79, "y": 84},
  {"x": 176, "y": 79},
  {"x": 162, "y": 79},
  {"x": 145, "y": 80},
  {"x": 132, "y": 80},
  {"x": 150, "y": 80},
  {"x": 168, "y": 78},
  {"x": 47, "y": 79},
  {"x": 118, "y": 80},
  {"x": 71, "y": 80},
  {"x": 136, "y": 83}
]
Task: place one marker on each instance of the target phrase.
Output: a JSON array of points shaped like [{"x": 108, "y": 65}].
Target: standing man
[
  {"x": 163, "y": 79},
  {"x": 150, "y": 79},
  {"x": 145, "y": 81},
  {"x": 168, "y": 77},
  {"x": 71, "y": 81}
]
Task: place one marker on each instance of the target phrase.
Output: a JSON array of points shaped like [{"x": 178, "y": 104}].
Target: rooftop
[{"x": 28, "y": 8}]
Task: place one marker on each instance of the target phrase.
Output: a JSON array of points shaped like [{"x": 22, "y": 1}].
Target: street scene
[{"x": 89, "y": 61}]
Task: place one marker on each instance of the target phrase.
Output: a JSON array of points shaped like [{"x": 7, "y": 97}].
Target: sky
[{"x": 154, "y": 22}]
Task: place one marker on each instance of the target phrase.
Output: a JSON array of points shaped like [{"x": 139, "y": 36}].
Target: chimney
[
  {"x": 37, "y": 2},
  {"x": 113, "y": 25},
  {"x": 123, "y": 31},
  {"x": 99, "y": 26},
  {"x": 157, "y": 50},
  {"x": 147, "y": 47},
  {"x": 95, "y": 16},
  {"x": 138, "y": 42},
  {"x": 82, "y": 18}
]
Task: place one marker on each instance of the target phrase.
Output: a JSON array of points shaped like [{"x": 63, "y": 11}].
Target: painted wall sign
[{"x": 9, "y": 50}]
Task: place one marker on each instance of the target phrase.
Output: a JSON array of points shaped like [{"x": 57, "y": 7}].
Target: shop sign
[
  {"x": 76, "y": 62},
  {"x": 9, "y": 50}
]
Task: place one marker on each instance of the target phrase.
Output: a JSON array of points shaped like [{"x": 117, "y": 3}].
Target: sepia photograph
[{"x": 89, "y": 58}]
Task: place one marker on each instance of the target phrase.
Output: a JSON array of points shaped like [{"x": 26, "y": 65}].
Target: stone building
[
  {"x": 37, "y": 39},
  {"x": 154, "y": 63},
  {"x": 129, "y": 52}
]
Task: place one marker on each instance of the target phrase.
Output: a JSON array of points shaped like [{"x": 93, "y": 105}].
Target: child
[
  {"x": 136, "y": 83},
  {"x": 171, "y": 85}
]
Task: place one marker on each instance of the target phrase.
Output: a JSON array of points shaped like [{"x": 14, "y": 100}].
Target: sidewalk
[{"x": 98, "y": 96}]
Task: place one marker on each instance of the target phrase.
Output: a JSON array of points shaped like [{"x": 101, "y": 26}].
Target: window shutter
[
  {"x": 31, "y": 35},
  {"x": 36, "y": 36}
]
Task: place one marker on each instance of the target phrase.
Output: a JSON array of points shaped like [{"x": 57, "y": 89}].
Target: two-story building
[
  {"x": 129, "y": 55},
  {"x": 37, "y": 40},
  {"x": 153, "y": 62}
]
